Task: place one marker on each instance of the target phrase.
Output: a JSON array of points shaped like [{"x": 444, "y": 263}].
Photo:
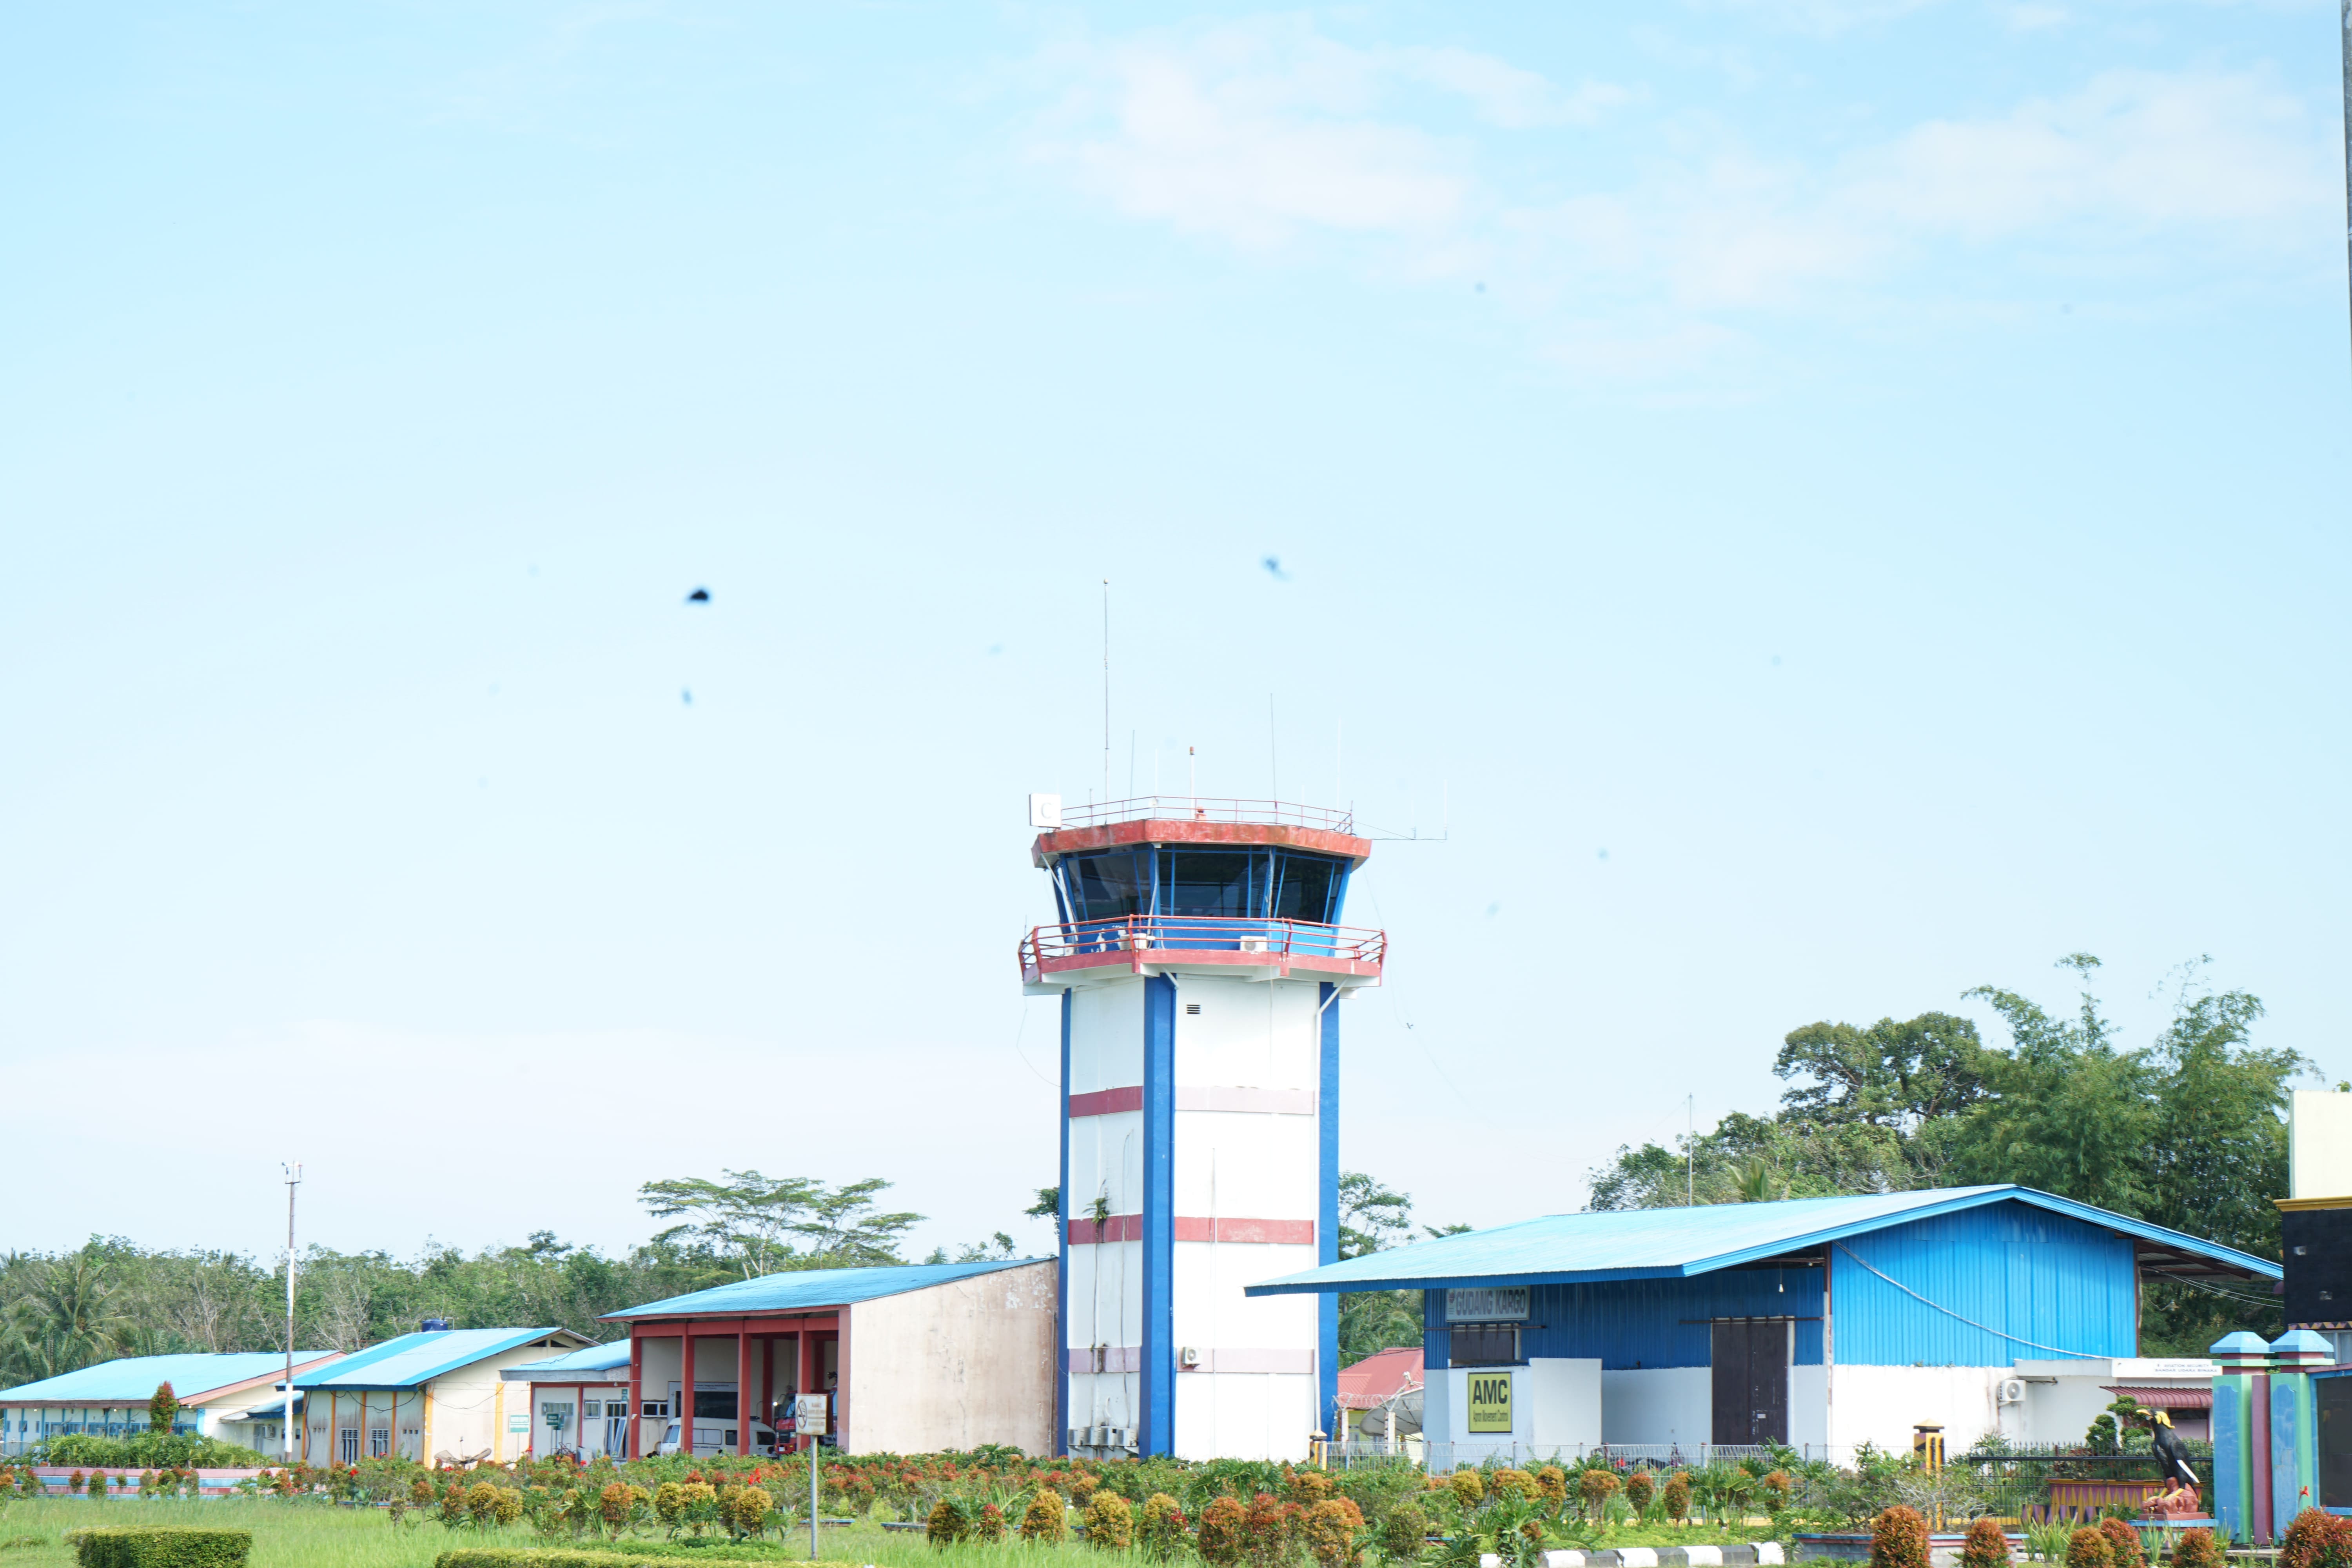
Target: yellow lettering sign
[{"x": 1490, "y": 1402}]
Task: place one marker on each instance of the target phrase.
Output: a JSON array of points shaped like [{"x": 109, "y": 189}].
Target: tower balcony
[{"x": 1104, "y": 951}]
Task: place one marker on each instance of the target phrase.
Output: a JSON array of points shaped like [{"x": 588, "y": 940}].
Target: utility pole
[
  {"x": 1105, "y": 794},
  {"x": 293, "y": 1179}
]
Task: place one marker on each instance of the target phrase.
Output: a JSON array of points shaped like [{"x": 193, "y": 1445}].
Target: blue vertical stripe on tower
[
  {"x": 1158, "y": 1370},
  {"x": 1326, "y": 1218},
  {"x": 1062, "y": 1241}
]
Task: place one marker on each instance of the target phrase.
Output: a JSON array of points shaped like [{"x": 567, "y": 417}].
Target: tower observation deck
[{"x": 1199, "y": 958}]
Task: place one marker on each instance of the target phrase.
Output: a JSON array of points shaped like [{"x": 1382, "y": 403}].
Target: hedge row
[
  {"x": 162, "y": 1548},
  {"x": 545, "y": 1557}
]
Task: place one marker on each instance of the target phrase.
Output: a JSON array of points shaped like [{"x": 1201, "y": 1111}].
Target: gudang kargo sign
[
  {"x": 1490, "y": 1402},
  {"x": 1487, "y": 1304}
]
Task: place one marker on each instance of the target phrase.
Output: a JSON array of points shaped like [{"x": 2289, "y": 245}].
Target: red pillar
[
  {"x": 685, "y": 1412},
  {"x": 767, "y": 1377},
  {"x": 635, "y": 1448},
  {"x": 742, "y": 1390}
]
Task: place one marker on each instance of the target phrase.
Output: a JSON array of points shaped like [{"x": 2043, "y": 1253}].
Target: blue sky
[{"x": 1829, "y": 503}]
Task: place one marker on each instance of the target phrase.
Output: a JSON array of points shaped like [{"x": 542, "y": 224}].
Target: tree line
[
  {"x": 2187, "y": 1130},
  {"x": 60, "y": 1312}
]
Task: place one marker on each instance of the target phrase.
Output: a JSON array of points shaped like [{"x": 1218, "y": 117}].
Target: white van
[{"x": 713, "y": 1436}]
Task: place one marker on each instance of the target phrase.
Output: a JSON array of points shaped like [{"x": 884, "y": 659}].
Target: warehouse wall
[{"x": 955, "y": 1365}]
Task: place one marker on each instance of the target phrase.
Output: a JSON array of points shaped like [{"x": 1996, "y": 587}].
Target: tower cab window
[{"x": 1239, "y": 884}]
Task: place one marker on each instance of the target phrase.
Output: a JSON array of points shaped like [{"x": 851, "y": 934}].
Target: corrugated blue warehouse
[{"x": 1820, "y": 1322}]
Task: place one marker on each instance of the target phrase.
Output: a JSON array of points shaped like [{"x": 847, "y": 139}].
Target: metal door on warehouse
[{"x": 1751, "y": 1379}]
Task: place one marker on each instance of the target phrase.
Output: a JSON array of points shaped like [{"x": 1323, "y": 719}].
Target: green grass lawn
[
  {"x": 312, "y": 1535},
  {"x": 315, "y": 1535}
]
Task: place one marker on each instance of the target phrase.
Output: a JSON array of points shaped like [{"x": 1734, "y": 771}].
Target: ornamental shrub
[
  {"x": 1468, "y": 1487},
  {"x": 162, "y": 1548},
  {"x": 1308, "y": 1487},
  {"x": 453, "y": 1501},
  {"x": 1082, "y": 1487},
  {"x": 482, "y": 1503},
  {"x": 1223, "y": 1532},
  {"x": 1898, "y": 1538},
  {"x": 989, "y": 1524},
  {"x": 162, "y": 1408},
  {"x": 1161, "y": 1528},
  {"x": 1985, "y": 1546},
  {"x": 2123, "y": 1542},
  {"x": 1270, "y": 1533},
  {"x": 96, "y": 1486},
  {"x": 1639, "y": 1487},
  {"x": 420, "y": 1492},
  {"x": 1042, "y": 1524},
  {"x": 1677, "y": 1496},
  {"x": 508, "y": 1509},
  {"x": 1777, "y": 1487},
  {"x": 1330, "y": 1529},
  {"x": 2089, "y": 1548},
  {"x": 1404, "y": 1533},
  {"x": 1110, "y": 1523},
  {"x": 1594, "y": 1487},
  {"x": 73, "y": 1482},
  {"x": 1515, "y": 1481},
  {"x": 946, "y": 1524},
  {"x": 670, "y": 1502},
  {"x": 1551, "y": 1485},
  {"x": 2316, "y": 1540},
  {"x": 2197, "y": 1549},
  {"x": 747, "y": 1512}
]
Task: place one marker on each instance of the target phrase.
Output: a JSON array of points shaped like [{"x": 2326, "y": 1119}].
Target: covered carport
[{"x": 911, "y": 1358}]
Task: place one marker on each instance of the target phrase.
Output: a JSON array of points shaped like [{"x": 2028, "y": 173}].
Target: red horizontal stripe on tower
[
  {"x": 1197, "y": 1227},
  {"x": 1107, "y": 1102}
]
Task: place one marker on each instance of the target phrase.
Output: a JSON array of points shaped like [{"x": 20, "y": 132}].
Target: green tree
[
  {"x": 751, "y": 1216},
  {"x": 1374, "y": 1218},
  {"x": 845, "y": 1231},
  {"x": 65, "y": 1314},
  {"x": 163, "y": 1408},
  {"x": 2065, "y": 1111}
]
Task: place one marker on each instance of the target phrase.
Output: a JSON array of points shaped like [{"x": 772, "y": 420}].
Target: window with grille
[
  {"x": 379, "y": 1442},
  {"x": 1483, "y": 1345},
  {"x": 350, "y": 1444}
]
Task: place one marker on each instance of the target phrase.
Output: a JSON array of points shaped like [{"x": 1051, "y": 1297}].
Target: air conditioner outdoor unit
[{"x": 2010, "y": 1392}]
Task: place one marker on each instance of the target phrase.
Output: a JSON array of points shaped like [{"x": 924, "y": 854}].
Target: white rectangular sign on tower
[{"x": 1045, "y": 811}]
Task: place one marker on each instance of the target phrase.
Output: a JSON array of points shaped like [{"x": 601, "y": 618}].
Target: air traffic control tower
[{"x": 1200, "y": 961}]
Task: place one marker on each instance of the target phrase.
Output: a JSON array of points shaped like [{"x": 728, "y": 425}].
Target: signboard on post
[{"x": 1490, "y": 1402}]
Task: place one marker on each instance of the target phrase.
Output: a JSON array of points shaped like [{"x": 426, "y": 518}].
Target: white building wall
[
  {"x": 1881, "y": 1405},
  {"x": 1658, "y": 1405},
  {"x": 956, "y": 1365},
  {"x": 1563, "y": 1405},
  {"x": 1809, "y": 1408}
]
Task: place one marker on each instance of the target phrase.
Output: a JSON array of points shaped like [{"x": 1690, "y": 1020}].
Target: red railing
[
  {"x": 1213, "y": 938},
  {"x": 1209, "y": 809}
]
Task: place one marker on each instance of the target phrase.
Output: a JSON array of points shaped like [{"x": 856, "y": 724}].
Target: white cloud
[
  {"x": 1258, "y": 130},
  {"x": 2134, "y": 148},
  {"x": 1266, "y": 131}
]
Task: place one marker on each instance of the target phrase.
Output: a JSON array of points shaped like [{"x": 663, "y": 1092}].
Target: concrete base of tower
[{"x": 1245, "y": 1415}]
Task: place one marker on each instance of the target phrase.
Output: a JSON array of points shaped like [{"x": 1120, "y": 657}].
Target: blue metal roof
[
  {"x": 414, "y": 1359},
  {"x": 806, "y": 1289},
  {"x": 132, "y": 1379},
  {"x": 563, "y": 1368},
  {"x": 1648, "y": 1243}
]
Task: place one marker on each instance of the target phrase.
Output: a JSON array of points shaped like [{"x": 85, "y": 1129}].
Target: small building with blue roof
[
  {"x": 579, "y": 1402},
  {"x": 911, "y": 1358},
  {"x": 435, "y": 1396},
  {"x": 110, "y": 1399},
  {"x": 1819, "y": 1322}
]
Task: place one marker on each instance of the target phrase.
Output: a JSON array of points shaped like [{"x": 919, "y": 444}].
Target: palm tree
[{"x": 65, "y": 1316}]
